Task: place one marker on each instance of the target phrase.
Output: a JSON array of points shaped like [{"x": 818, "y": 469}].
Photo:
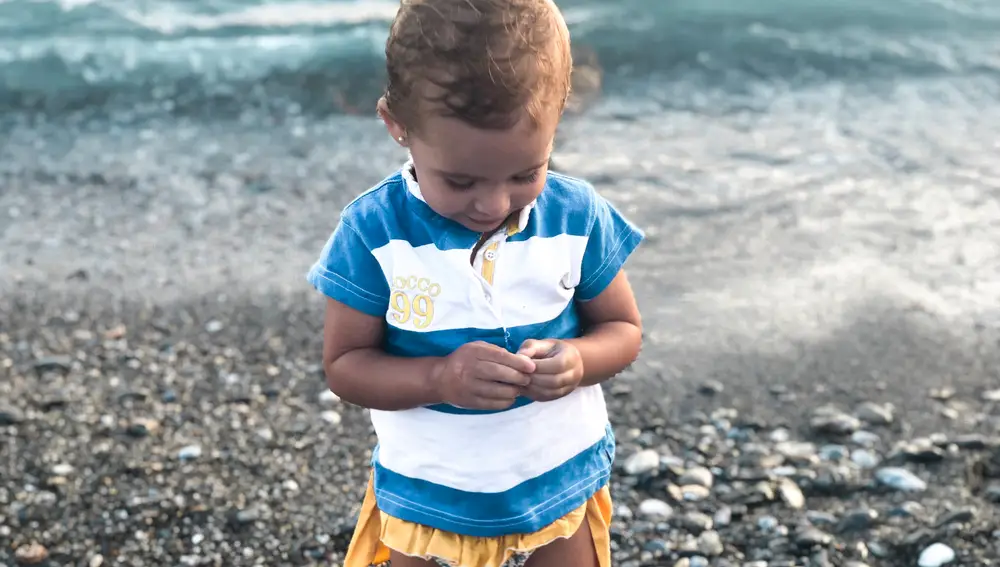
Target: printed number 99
[{"x": 420, "y": 309}]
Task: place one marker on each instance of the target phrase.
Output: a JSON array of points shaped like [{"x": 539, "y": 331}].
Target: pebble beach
[
  {"x": 202, "y": 434},
  {"x": 819, "y": 378},
  {"x": 163, "y": 401}
]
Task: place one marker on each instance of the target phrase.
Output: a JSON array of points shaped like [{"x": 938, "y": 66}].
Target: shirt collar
[{"x": 517, "y": 223}]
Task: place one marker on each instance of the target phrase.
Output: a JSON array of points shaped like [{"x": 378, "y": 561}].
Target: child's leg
[
  {"x": 400, "y": 560},
  {"x": 577, "y": 551}
]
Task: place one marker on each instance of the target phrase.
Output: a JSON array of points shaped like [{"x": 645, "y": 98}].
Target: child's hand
[
  {"x": 482, "y": 376},
  {"x": 558, "y": 369}
]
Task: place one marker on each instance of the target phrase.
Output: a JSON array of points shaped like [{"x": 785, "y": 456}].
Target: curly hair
[{"x": 485, "y": 62}]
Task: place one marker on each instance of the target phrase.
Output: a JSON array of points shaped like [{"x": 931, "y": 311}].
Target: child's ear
[{"x": 396, "y": 130}]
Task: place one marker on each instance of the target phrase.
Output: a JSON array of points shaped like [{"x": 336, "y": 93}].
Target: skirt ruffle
[{"x": 376, "y": 533}]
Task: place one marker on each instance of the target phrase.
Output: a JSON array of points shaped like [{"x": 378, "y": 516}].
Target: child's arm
[
  {"x": 612, "y": 336},
  {"x": 359, "y": 371},
  {"x": 611, "y": 327},
  {"x": 476, "y": 376}
]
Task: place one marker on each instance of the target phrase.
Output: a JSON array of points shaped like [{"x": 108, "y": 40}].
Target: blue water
[
  {"x": 219, "y": 56},
  {"x": 798, "y": 165}
]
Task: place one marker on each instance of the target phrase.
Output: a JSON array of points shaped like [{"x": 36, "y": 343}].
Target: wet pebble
[
  {"x": 833, "y": 452},
  {"x": 812, "y": 537},
  {"x": 942, "y": 394},
  {"x": 655, "y": 509},
  {"x": 642, "y": 462},
  {"x": 710, "y": 544},
  {"x": 141, "y": 428},
  {"x": 791, "y": 494},
  {"x": 922, "y": 453},
  {"x": 723, "y": 516},
  {"x": 189, "y": 452},
  {"x": 327, "y": 397},
  {"x": 833, "y": 421},
  {"x": 711, "y": 388},
  {"x": 908, "y": 509},
  {"x": 900, "y": 479},
  {"x": 695, "y": 522},
  {"x": 857, "y": 520},
  {"x": 797, "y": 451},
  {"x": 936, "y": 555},
  {"x": 875, "y": 414},
  {"x": 961, "y": 516},
  {"x": 10, "y": 416},
  {"x": 31, "y": 554},
  {"x": 864, "y": 458},
  {"x": 689, "y": 493},
  {"x": 767, "y": 523},
  {"x": 698, "y": 476},
  {"x": 821, "y": 518},
  {"x": 865, "y": 438}
]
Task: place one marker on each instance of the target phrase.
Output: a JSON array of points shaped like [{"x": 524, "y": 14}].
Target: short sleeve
[
  {"x": 611, "y": 240},
  {"x": 348, "y": 272}
]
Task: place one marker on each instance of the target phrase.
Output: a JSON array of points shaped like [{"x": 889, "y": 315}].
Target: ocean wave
[{"x": 218, "y": 55}]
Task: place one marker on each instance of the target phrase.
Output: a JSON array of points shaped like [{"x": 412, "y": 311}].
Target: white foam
[{"x": 166, "y": 18}]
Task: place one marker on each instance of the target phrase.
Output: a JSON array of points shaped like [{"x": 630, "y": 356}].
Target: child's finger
[
  {"x": 496, "y": 391},
  {"x": 544, "y": 394},
  {"x": 555, "y": 381},
  {"x": 536, "y": 349},
  {"x": 552, "y": 365},
  {"x": 500, "y": 356},
  {"x": 498, "y": 372}
]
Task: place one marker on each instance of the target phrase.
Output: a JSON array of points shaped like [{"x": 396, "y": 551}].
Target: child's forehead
[{"x": 457, "y": 147}]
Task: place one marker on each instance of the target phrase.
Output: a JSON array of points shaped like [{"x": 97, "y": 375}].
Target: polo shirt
[{"x": 473, "y": 472}]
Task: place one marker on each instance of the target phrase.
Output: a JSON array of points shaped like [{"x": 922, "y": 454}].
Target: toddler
[{"x": 476, "y": 301}]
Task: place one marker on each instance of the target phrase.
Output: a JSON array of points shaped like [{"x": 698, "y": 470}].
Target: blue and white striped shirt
[{"x": 470, "y": 472}]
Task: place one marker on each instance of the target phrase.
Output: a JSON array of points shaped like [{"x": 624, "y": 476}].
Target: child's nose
[{"x": 494, "y": 203}]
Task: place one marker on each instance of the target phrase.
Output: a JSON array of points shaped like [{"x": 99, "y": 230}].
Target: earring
[{"x": 400, "y": 139}]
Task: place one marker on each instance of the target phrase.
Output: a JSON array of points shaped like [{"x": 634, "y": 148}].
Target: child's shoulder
[
  {"x": 377, "y": 205},
  {"x": 568, "y": 191},
  {"x": 567, "y": 205}
]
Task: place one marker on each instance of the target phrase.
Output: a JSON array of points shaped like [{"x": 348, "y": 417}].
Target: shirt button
[{"x": 490, "y": 255}]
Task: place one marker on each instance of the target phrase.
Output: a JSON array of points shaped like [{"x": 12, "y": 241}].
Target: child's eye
[
  {"x": 458, "y": 183},
  {"x": 526, "y": 179}
]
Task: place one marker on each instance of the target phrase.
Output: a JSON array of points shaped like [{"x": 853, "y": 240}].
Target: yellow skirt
[{"x": 377, "y": 533}]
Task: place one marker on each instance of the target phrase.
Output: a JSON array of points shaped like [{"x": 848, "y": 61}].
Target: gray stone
[
  {"x": 812, "y": 537},
  {"x": 864, "y": 458},
  {"x": 832, "y": 421},
  {"x": 799, "y": 452},
  {"x": 936, "y": 555},
  {"x": 655, "y": 509},
  {"x": 695, "y": 522},
  {"x": 10, "y": 416},
  {"x": 901, "y": 479},
  {"x": 710, "y": 544},
  {"x": 767, "y": 523},
  {"x": 643, "y": 462},
  {"x": 699, "y": 476},
  {"x": 875, "y": 414},
  {"x": 865, "y": 438},
  {"x": 960, "y": 516},
  {"x": 821, "y": 518},
  {"x": 857, "y": 520},
  {"x": 723, "y": 517},
  {"x": 791, "y": 494}
]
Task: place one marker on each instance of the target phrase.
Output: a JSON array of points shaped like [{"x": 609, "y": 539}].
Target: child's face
[{"x": 479, "y": 177}]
